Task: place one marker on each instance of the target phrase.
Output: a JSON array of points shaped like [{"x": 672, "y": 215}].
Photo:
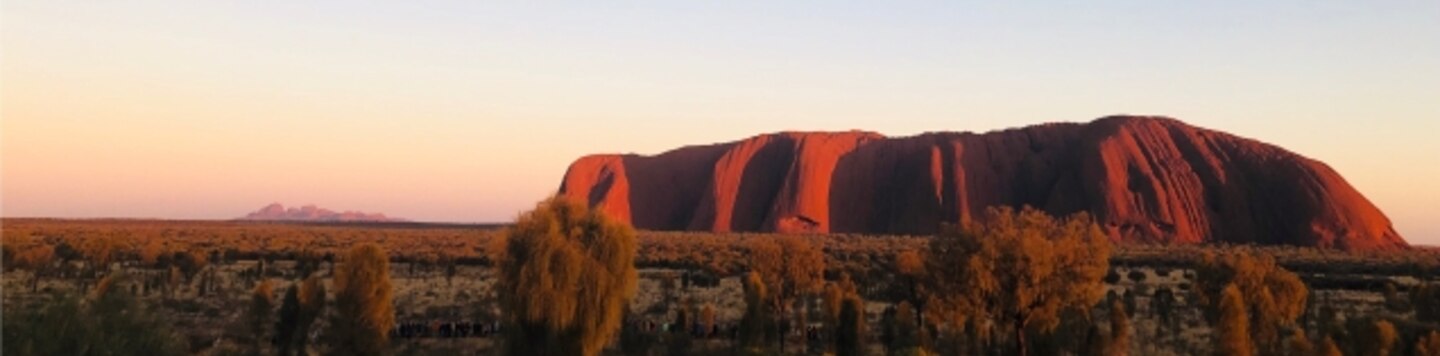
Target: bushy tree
[
  {"x": 1017, "y": 271},
  {"x": 1299, "y": 344},
  {"x": 1274, "y": 297},
  {"x": 756, "y": 322},
  {"x": 312, "y": 306},
  {"x": 1119, "y": 330},
  {"x": 302, "y": 304},
  {"x": 363, "y": 312},
  {"x": 1374, "y": 337},
  {"x": 792, "y": 266},
  {"x": 566, "y": 274},
  {"x": 850, "y": 333},
  {"x": 1233, "y": 327},
  {"x": 1428, "y": 345},
  {"x": 1329, "y": 348},
  {"x": 259, "y": 315},
  {"x": 901, "y": 330},
  {"x": 1425, "y": 299},
  {"x": 287, "y": 322}
]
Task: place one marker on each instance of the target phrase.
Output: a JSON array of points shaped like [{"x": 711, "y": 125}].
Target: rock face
[
  {"x": 1144, "y": 179},
  {"x": 311, "y": 213}
]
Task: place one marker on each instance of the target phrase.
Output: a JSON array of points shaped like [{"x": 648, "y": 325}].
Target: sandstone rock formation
[
  {"x": 311, "y": 213},
  {"x": 1142, "y": 178}
]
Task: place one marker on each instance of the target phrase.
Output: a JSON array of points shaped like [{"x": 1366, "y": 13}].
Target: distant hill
[
  {"x": 311, "y": 213},
  {"x": 1145, "y": 179}
]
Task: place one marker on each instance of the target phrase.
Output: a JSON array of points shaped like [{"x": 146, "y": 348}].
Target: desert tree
[
  {"x": 1428, "y": 345},
  {"x": 259, "y": 315},
  {"x": 302, "y": 304},
  {"x": 287, "y": 321},
  {"x": 566, "y": 275},
  {"x": 312, "y": 306},
  {"x": 756, "y": 322},
  {"x": 1328, "y": 347},
  {"x": 909, "y": 272},
  {"x": 1374, "y": 338},
  {"x": 901, "y": 332},
  {"x": 679, "y": 340},
  {"x": 792, "y": 266},
  {"x": 1425, "y": 299},
  {"x": 1120, "y": 330},
  {"x": 363, "y": 313},
  {"x": 1233, "y": 327},
  {"x": 850, "y": 332},
  {"x": 833, "y": 298},
  {"x": 1016, "y": 271},
  {"x": 1274, "y": 297},
  {"x": 707, "y": 320},
  {"x": 1299, "y": 344}
]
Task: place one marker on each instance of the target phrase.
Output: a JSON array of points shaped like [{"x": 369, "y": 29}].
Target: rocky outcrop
[
  {"x": 311, "y": 213},
  {"x": 1142, "y": 178}
]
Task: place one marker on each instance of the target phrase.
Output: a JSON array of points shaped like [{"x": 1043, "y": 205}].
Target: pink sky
[{"x": 470, "y": 112}]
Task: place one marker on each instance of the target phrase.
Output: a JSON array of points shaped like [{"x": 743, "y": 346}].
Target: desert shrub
[
  {"x": 566, "y": 275},
  {"x": 109, "y": 322},
  {"x": 363, "y": 312},
  {"x": 1017, "y": 271}
]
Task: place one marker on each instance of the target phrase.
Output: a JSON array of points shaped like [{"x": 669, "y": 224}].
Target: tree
[
  {"x": 303, "y": 303},
  {"x": 679, "y": 339},
  {"x": 1299, "y": 344},
  {"x": 258, "y": 316},
  {"x": 287, "y": 323},
  {"x": 567, "y": 273},
  {"x": 707, "y": 320},
  {"x": 1377, "y": 338},
  {"x": 910, "y": 271},
  {"x": 1428, "y": 345},
  {"x": 849, "y": 336},
  {"x": 363, "y": 312},
  {"x": 1329, "y": 348},
  {"x": 1233, "y": 329},
  {"x": 792, "y": 266},
  {"x": 312, "y": 306},
  {"x": 1274, "y": 297},
  {"x": 1119, "y": 330},
  {"x": 835, "y": 295},
  {"x": 905, "y": 331},
  {"x": 1017, "y": 271},
  {"x": 1425, "y": 299},
  {"x": 755, "y": 323}
]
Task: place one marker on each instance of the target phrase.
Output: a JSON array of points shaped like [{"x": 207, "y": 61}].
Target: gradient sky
[{"x": 462, "y": 111}]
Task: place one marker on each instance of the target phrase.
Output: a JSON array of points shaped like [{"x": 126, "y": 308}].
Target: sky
[{"x": 470, "y": 111}]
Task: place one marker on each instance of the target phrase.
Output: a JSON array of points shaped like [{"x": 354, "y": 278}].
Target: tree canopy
[
  {"x": 566, "y": 274},
  {"x": 1016, "y": 270}
]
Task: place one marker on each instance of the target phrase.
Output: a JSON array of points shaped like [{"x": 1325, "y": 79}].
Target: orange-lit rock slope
[{"x": 1143, "y": 178}]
